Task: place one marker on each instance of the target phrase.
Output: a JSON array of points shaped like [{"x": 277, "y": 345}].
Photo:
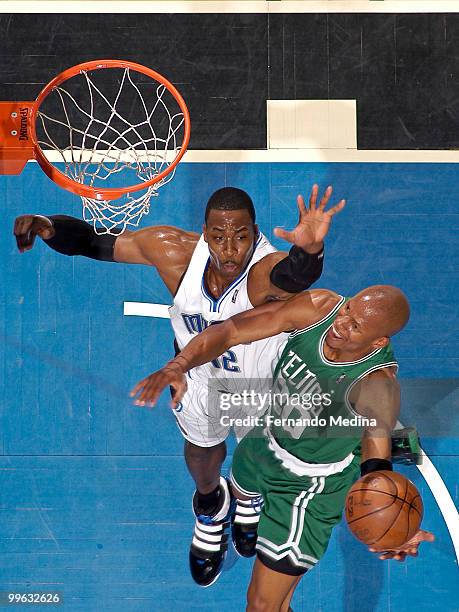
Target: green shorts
[{"x": 299, "y": 512}]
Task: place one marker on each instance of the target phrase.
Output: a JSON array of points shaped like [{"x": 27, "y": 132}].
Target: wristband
[{"x": 375, "y": 465}]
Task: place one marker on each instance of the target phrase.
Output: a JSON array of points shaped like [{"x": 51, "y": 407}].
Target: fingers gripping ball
[{"x": 384, "y": 510}]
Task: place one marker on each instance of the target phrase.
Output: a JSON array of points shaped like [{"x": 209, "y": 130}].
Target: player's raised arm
[
  {"x": 314, "y": 221},
  {"x": 169, "y": 249},
  {"x": 378, "y": 399},
  {"x": 279, "y": 275},
  {"x": 261, "y": 322}
]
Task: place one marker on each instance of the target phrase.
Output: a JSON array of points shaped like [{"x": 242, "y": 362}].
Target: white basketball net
[{"x": 112, "y": 135}]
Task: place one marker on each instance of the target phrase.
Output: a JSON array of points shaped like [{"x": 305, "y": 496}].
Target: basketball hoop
[{"x": 111, "y": 131}]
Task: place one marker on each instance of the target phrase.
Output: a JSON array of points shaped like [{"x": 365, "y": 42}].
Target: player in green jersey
[{"x": 336, "y": 401}]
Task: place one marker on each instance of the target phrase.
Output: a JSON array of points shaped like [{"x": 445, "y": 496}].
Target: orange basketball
[{"x": 383, "y": 510}]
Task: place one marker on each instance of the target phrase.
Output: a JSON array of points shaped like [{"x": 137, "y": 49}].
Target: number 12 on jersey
[{"x": 228, "y": 361}]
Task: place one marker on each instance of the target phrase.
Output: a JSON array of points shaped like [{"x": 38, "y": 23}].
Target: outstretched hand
[
  {"x": 27, "y": 227},
  {"x": 150, "y": 388},
  {"x": 314, "y": 222},
  {"x": 410, "y": 548}
]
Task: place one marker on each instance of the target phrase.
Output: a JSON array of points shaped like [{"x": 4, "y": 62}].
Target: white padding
[{"x": 312, "y": 124}]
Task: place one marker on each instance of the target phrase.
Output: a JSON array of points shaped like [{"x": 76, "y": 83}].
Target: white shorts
[{"x": 205, "y": 423}]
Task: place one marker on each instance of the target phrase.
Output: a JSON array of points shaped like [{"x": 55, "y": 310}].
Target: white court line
[
  {"x": 429, "y": 472},
  {"x": 145, "y": 309},
  {"x": 443, "y": 499},
  {"x": 441, "y": 495},
  {"x": 221, "y": 6}
]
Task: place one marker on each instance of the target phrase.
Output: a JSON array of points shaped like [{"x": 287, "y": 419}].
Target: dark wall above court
[{"x": 402, "y": 69}]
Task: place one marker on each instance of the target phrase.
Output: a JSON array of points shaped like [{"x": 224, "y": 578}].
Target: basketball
[{"x": 384, "y": 510}]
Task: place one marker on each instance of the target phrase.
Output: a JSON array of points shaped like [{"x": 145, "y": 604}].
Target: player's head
[
  {"x": 369, "y": 319},
  {"x": 230, "y": 230}
]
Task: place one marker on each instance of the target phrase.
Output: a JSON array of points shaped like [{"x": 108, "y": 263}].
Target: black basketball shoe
[
  {"x": 210, "y": 538},
  {"x": 244, "y": 525}
]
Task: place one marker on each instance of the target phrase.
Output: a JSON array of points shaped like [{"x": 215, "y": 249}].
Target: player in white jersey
[
  {"x": 239, "y": 265},
  {"x": 193, "y": 310}
]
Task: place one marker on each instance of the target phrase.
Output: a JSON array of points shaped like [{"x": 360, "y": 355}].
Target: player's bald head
[{"x": 387, "y": 306}]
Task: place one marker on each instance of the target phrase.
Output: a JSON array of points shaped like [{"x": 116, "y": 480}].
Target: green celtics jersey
[{"x": 311, "y": 416}]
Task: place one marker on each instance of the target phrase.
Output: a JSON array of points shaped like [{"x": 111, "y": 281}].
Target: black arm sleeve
[
  {"x": 298, "y": 271},
  {"x": 76, "y": 237}
]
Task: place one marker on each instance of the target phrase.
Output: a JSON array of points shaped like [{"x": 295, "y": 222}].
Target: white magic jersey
[{"x": 194, "y": 309}]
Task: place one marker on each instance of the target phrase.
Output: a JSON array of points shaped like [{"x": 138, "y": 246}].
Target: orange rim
[{"x": 94, "y": 192}]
